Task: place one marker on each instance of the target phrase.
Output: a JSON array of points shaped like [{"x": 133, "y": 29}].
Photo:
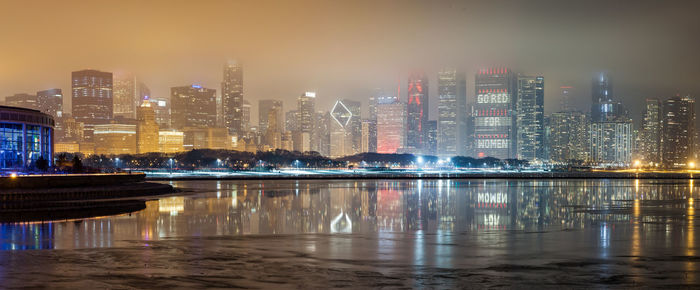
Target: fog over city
[{"x": 346, "y": 49}]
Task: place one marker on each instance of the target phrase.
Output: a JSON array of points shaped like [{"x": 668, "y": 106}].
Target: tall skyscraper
[
  {"x": 192, "y": 106},
  {"x": 264, "y": 108},
  {"x": 273, "y": 125},
  {"x": 650, "y": 140},
  {"x": 92, "y": 99},
  {"x": 50, "y": 102},
  {"x": 568, "y": 137},
  {"x": 611, "y": 142},
  {"x": 161, "y": 106},
  {"x": 452, "y": 113},
  {"x": 124, "y": 95},
  {"x": 603, "y": 106},
  {"x": 291, "y": 121},
  {"x": 530, "y": 118},
  {"x": 678, "y": 142},
  {"x": 417, "y": 112},
  {"x": 494, "y": 113},
  {"x": 232, "y": 98},
  {"x": 369, "y": 136},
  {"x": 306, "y": 110},
  {"x": 147, "y": 130},
  {"x": 341, "y": 135},
  {"x": 391, "y": 120},
  {"x": 23, "y": 101}
]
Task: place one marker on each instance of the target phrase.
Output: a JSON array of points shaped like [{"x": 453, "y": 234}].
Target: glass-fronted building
[{"x": 25, "y": 135}]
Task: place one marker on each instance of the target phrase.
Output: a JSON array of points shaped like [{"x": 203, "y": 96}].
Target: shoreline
[{"x": 369, "y": 175}]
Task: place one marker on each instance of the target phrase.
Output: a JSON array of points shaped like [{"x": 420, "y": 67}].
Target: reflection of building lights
[
  {"x": 172, "y": 205},
  {"x": 341, "y": 224}
]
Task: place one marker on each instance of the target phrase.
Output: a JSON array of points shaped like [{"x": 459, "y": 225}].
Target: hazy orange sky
[{"x": 345, "y": 49}]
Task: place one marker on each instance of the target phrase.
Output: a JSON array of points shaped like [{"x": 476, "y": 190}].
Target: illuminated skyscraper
[
  {"x": 369, "y": 136},
  {"x": 343, "y": 127},
  {"x": 192, "y": 106},
  {"x": 161, "y": 106},
  {"x": 264, "y": 108},
  {"x": 568, "y": 137},
  {"x": 147, "y": 130},
  {"x": 417, "y": 112},
  {"x": 171, "y": 141},
  {"x": 530, "y": 118},
  {"x": 651, "y": 132},
  {"x": 273, "y": 125},
  {"x": 611, "y": 142},
  {"x": 452, "y": 113},
  {"x": 306, "y": 110},
  {"x": 391, "y": 120},
  {"x": 92, "y": 98},
  {"x": 678, "y": 142},
  {"x": 50, "y": 102},
  {"x": 494, "y": 113},
  {"x": 124, "y": 95},
  {"x": 232, "y": 98}
]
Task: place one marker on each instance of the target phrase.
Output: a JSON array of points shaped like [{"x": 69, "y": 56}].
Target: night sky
[{"x": 346, "y": 49}]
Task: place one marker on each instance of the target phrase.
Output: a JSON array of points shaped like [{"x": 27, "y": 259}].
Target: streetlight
[
  {"x": 691, "y": 165},
  {"x": 171, "y": 166},
  {"x": 116, "y": 162}
]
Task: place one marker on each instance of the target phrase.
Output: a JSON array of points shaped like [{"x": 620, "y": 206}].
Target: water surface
[{"x": 370, "y": 233}]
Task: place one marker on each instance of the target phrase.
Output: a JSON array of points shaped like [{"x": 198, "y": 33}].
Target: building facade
[
  {"x": 25, "y": 136},
  {"x": 192, "y": 106},
  {"x": 417, "y": 112},
  {"x": 611, "y": 143},
  {"x": 115, "y": 139},
  {"x": 494, "y": 113},
  {"x": 92, "y": 100},
  {"x": 147, "y": 129},
  {"x": 452, "y": 113},
  {"x": 50, "y": 102},
  {"x": 568, "y": 137},
  {"x": 391, "y": 120},
  {"x": 530, "y": 118},
  {"x": 650, "y": 141},
  {"x": 232, "y": 98},
  {"x": 678, "y": 142}
]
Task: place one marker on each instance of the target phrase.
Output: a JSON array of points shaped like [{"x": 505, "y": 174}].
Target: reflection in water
[{"x": 627, "y": 208}]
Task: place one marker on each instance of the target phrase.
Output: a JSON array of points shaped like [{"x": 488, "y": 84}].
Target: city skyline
[{"x": 306, "y": 56}]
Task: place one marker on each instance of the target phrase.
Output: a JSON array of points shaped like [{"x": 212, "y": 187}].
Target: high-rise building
[
  {"x": 530, "y": 118},
  {"x": 452, "y": 112},
  {"x": 369, "y": 136},
  {"x": 650, "y": 141},
  {"x": 678, "y": 142},
  {"x": 147, "y": 130},
  {"x": 494, "y": 113},
  {"x": 601, "y": 93},
  {"x": 291, "y": 120},
  {"x": 611, "y": 142},
  {"x": 161, "y": 107},
  {"x": 391, "y": 120},
  {"x": 568, "y": 137},
  {"x": 192, "y": 106},
  {"x": 124, "y": 95},
  {"x": 27, "y": 101},
  {"x": 50, "y": 102},
  {"x": 264, "y": 107},
  {"x": 341, "y": 130},
  {"x": 245, "y": 120},
  {"x": 92, "y": 99},
  {"x": 417, "y": 112},
  {"x": 273, "y": 125},
  {"x": 206, "y": 138},
  {"x": 321, "y": 134},
  {"x": 306, "y": 112},
  {"x": 232, "y": 98}
]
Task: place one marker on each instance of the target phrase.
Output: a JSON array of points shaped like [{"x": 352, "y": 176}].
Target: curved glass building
[{"x": 25, "y": 135}]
